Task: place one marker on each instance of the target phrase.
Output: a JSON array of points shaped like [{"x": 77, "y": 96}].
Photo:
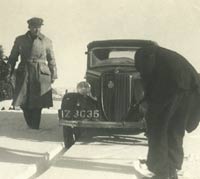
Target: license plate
[{"x": 93, "y": 114}]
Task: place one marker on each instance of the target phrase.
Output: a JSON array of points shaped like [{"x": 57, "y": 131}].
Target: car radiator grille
[{"x": 116, "y": 94}]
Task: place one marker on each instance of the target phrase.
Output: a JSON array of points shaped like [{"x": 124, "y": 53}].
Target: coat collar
[{"x": 40, "y": 36}]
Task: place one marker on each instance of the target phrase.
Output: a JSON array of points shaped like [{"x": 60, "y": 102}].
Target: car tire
[{"x": 68, "y": 135}]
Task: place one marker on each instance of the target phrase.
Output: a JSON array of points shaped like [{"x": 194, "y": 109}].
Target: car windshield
[{"x": 110, "y": 56}]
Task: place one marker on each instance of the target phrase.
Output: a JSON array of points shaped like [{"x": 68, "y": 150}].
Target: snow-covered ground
[
  {"x": 5, "y": 105},
  {"x": 191, "y": 165}
]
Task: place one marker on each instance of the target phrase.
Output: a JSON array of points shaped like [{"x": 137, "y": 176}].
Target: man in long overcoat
[
  {"x": 172, "y": 92},
  {"x": 35, "y": 72}
]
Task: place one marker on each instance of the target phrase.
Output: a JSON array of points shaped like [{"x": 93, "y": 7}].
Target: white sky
[{"x": 72, "y": 24}]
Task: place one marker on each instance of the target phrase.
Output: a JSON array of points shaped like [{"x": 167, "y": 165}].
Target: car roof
[{"x": 120, "y": 43}]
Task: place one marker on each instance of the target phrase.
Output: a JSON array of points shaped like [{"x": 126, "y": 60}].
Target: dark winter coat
[
  {"x": 36, "y": 70},
  {"x": 172, "y": 91},
  {"x": 165, "y": 74}
]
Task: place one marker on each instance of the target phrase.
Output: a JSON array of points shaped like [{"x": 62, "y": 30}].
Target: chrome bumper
[{"x": 102, "y": 124}]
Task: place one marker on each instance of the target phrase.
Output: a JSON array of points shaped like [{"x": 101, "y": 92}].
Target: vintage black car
[{"x": 109, "y": 95}]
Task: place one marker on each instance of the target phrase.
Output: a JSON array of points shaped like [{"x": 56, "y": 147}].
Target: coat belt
[{"x": 35, "y": 61}]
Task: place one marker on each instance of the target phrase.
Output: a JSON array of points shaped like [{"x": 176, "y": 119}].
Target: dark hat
[{"x": 35, "y": 21}]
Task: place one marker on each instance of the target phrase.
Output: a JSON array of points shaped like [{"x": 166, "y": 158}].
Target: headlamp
[{"x": 84, "y": 88}]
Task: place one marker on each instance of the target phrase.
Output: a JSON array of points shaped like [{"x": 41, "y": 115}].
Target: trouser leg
[
  {"x": 176, "y": 132},
  {"x": 27, "y": 117},
  {"x": 157, "y": 159},
  {"x": 36, "y": 117},
  {"x": 175, "y": 151},
  {"x": 158, "y": 119},
  {"x": 166, "y": 132},
  {"x": 175, "y": 147},
  {"x": 32, "y": 117}
]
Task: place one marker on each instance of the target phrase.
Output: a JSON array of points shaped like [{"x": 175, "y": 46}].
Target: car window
[
  {"x": 122, "y": 54},
  {"x": 106, "y": 57}
]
